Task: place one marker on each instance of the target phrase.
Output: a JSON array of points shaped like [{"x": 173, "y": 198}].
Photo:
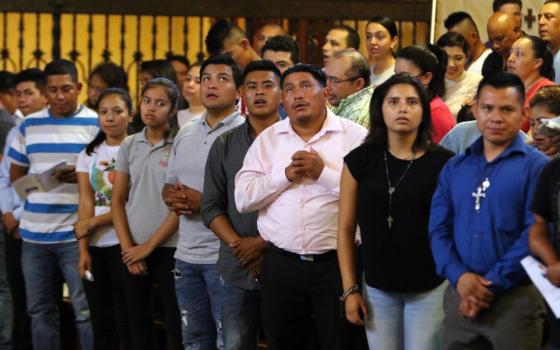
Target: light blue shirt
[{"x": 557, "y": 67}]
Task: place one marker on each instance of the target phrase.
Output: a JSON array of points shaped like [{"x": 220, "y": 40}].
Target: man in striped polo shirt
[{"x": 44, "y": 138}]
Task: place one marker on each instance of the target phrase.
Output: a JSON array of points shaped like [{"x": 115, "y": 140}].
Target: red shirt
[{"x": 442, "y": 119}]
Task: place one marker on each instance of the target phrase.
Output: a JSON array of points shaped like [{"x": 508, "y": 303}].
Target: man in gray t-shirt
[{"x": 197, "y": 280}]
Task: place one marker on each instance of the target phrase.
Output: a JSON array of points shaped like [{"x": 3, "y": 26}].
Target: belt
[{"x": 330, "y": 255}]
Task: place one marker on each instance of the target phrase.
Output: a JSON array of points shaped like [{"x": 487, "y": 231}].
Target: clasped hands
[
  {"x": 182, "y": 200},
  {"x": 474, "y": 293},
  {"x": 304, "y": 164}
]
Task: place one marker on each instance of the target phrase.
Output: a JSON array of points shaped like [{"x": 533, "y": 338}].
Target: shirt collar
[
  {"x": 331, "y": 124},
  {"x": 517, "y": 146},
  {"x": 142, "y": 138},
  {"x": 358, "y": 95},
  {"x": 78, "y": 110},
  {"x": 226, "y": 121}
]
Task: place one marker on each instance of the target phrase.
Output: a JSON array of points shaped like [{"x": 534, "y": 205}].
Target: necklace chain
[{"x": 390, "y": 188}]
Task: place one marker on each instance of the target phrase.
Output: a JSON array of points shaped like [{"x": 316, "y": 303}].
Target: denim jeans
[
  {"x": 40, "y": 262},
  {"x": 409, "y": 321},
  {"x": 6, "y": 306},
  {"x": 198, "y": 290},
  {"x": 240, "y": 317}
]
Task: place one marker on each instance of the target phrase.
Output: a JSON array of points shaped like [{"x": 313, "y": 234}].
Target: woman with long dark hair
[
  {"x": 386, "y": 188},
  {"x": 382, "y": 37}
]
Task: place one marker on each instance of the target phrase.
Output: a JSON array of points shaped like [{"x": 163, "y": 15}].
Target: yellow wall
[{"x": 98, "y": 40}]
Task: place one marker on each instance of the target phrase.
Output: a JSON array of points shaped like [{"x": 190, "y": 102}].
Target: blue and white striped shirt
[{"x": 42, "y": 141}]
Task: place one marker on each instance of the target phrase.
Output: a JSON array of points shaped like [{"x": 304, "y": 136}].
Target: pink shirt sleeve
[{"x": 442, "y": 119}]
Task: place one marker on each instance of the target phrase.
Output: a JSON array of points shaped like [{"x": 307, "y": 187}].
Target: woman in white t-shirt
[
  {"x": 191, "y": 92},
  {"x": 100, "y": 255}
]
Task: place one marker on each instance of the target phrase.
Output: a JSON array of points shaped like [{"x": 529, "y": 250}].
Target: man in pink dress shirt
[{"x": 291, "y": 175}]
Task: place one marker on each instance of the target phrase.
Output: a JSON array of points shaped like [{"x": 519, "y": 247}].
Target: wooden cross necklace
[{"x": 390, "y": 188}]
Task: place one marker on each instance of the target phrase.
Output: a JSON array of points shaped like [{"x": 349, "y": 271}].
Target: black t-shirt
[
  {"x": 397, "y": 259},
  {"x": 545, "y": 199}
]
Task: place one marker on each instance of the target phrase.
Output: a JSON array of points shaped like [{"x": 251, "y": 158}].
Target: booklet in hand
[{"x": 43, "y": 182}]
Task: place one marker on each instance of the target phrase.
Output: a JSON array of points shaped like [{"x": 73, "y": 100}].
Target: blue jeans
[
  {"x": 240, "y": 317},
  {"x": 198, "y": 290},
  {"x": 39, "y": 263},
  {"x": 6, "y": 306},
  {"x": 409, "y": 321}
]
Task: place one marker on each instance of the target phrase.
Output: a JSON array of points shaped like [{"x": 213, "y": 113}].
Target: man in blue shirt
[{"x": 479, "y": 227}]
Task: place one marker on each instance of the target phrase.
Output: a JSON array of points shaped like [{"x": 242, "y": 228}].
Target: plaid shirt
[{"x": 355, "y": 107}]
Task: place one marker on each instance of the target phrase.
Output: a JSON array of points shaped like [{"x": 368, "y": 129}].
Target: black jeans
[
  {"x": 22, "y": 323},
  {"x": 138, "y": 292},
  {"x": 297, "y": 295},
  {"x": 106, "y": 299}
]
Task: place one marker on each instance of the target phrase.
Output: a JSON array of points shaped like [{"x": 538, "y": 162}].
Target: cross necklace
[
  {"x": 480, "y": 193},
  {"x": 390, "y": 188}
]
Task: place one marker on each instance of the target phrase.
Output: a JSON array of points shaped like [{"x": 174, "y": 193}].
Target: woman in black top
[{"x": 387, "y": 186}]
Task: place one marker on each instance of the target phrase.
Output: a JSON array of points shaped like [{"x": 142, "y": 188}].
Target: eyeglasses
[{"x": 335, "y": 81}]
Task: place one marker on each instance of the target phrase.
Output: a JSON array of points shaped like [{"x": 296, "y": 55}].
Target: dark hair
[
  {"x": 502, "y": 80},
  {"x": 352, "y": 39},
  {"x": 179, "y": 58},
  {"x": 173, "y": 95},
  {"x": 359, "y": 66},
  {"x": 378, "y": 135},
  {"x": 219, "y": 33},
  {"x": 465, "y": 114},
  {"x": 541, "y": 50},
  {"x": 499, "y": 3},
  {"x": 111, "y": 74},
  {"x": 263, "y": 65},
  {"x": 159, "y": 69},
  {"x": 226, "y": 60},
  {"x": 548, "y": 96},
  {"x": 552, "y": 2},
  {"x": 429, "y": 59},
  {"x": 387, "y": 23},
  {"x": 452, "y": 39},
  {"x": 7, "y": 81},
  {"x": 34, "y": 75},
  {"x": 100, "y": 137},
  {"x": 283, "y": 44},
  {"x": 457, "y": 17},
  {"x": 317, "y": 73},
  {"x": 61, "y": 67}
]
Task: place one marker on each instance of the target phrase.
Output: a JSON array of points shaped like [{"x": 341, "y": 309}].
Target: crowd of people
[{"x": 383, "y": 201}]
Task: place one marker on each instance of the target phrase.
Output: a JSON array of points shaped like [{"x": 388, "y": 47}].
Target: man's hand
[
  {"x": 67, "y": 175},
  {"x": 307, "y": 164},
  {"x": 473, "y": 288},
  {"x": 182, "y": 200},
  {"x": 553, "y": 274},
  {"x": 136, "y": 254},
  {"x": 248, "y": 249},
  {"x": 10, "y": 223},
  {"x": 84, "y": 264},
  {"x": 469, "y": 310}
]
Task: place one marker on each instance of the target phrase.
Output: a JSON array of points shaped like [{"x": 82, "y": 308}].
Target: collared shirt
[
  {"x": 41, "y": 141},
  {"x": 146, "y": 165},
  {"x": 476, "y": 66},
  {"x": 458, "y": 139},
  {"x": 224, "y": 161},
  {"x": 490, "y": 241},
  {"x": 355, "y": 107},
  {"x": 298, "y": 217},
  {"x": 197, "y": 244}
]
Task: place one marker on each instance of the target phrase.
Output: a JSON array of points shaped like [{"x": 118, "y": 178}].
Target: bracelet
[{"x": 348, "y": 292}]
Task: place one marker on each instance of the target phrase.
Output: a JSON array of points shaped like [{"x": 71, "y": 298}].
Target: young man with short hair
[
  {"x": 513, "y": 7},
  {"x": 264, "y": 33},
  {"x": 549, "y": 31},
  {"x": 477, "y": 239},
  {"x": 339, "y": 38},
  {"x": 197, "y": 281},
  {"x": 30, "y": 98},
  {"x": 283, "y": 51},
  {"x": 227, "y": 38},
  {"x": 291, "y": 175},
  {"x": 241, "y": 246},
  {"x": 46, "y": 227}
]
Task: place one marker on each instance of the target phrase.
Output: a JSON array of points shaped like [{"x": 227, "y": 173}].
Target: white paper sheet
[{"x": 536, "y": 272}]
